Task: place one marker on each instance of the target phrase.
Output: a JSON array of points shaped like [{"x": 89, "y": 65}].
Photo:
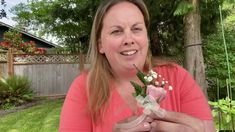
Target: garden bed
[{"x": 36, "y": 101}]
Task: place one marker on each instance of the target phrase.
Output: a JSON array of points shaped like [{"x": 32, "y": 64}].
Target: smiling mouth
[{"x": 128, "y": 53}]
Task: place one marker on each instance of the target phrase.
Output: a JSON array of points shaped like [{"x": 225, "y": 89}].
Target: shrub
[
  {"x": 15, "y": 90},
  {"x": 223, "y": 113},
  {"x": 13, "y": 39},
  {"x": 216, "y": 66}
]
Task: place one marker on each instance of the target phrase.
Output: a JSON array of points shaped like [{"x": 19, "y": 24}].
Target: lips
[{"x": 128, "y": 52}]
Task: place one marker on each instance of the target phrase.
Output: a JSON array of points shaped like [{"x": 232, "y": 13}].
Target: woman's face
[{"x": 124, "y": 39}]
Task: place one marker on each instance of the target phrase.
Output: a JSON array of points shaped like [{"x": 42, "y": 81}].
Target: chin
[{"x": 139, "y": 66}]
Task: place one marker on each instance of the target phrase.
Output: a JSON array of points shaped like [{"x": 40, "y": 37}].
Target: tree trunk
[{"x": 194, "y": 61}]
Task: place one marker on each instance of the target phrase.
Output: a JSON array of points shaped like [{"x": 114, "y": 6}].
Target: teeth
[{"x": 129, "y": 52}]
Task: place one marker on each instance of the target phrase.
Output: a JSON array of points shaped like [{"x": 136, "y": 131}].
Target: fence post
[
  {"x": 81, "y": 62},
  {"x": 10, "y": 66},
  {"x": 1, "y": 71}
]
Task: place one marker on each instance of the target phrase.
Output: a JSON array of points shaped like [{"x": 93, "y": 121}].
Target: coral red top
[{"x": 185, "y": 97}]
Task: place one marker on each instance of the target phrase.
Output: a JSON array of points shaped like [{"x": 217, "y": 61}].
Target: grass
[{"x": 40, "y": 118}]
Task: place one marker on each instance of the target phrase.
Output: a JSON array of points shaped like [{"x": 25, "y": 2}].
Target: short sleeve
[
  {"x": 193, "y": 100},
  {"x": 74, "y": 114}
]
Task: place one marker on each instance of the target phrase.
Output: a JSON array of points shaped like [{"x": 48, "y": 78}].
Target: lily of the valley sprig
[{"x": 151, "y": 78}]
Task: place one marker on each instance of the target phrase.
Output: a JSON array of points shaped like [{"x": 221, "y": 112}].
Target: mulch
[
  {"x": 21, "y": 107},
  {"x": 27, "y": 105}
]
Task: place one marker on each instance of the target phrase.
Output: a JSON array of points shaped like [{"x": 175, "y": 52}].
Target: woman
[{"x": 101, "y": 97}]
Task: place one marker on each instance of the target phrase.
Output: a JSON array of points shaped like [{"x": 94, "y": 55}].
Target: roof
[{"x": 29, "y": 34}]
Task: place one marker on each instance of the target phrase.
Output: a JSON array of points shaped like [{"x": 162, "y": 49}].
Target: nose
[
  {"x": 128, "y": 39},
  {"x": 128, "y": 43}
]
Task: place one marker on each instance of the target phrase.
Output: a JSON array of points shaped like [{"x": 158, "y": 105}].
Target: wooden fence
[{"x": 50, "y": 74}]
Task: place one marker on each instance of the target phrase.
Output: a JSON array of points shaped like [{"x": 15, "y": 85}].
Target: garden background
[{"x": 207, "y": 52}]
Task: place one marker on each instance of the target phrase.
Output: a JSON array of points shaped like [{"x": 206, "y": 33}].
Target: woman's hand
[
  {"x": 164, "y": 126},
  {"x": 144, "y": 126},
  {"x": 177, "y": 122}
]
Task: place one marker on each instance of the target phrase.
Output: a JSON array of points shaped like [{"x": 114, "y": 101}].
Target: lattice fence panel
[
  {"x": 3, "y": 56},
  {"x": 42, "y": 59}
]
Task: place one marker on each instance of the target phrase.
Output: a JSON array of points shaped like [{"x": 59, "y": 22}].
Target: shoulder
[
  {"x": 175, "y": 74},
  {"x": 79, "y": 84},
  {"x": 173, "y": 68},
  {"x": 81, "y": 78}
]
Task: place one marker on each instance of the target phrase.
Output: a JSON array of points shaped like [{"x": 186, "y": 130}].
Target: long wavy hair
[{"x": 100, "y": 72}]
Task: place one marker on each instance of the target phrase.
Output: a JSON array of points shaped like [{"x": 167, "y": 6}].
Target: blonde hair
[{"x": 100, "y": 73}]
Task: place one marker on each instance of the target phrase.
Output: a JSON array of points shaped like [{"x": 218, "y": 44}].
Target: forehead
[{"x": 123, "y": 10}]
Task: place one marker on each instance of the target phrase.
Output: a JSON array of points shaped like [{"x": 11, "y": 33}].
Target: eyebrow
[
  {"x": 118, "y": 26},
  {"x": 138, "y": 23}
]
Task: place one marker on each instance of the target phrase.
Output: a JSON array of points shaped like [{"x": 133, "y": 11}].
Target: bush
[
  {"x": 216, "y": 66},
  {"x": 223, "y": 113},
  {"x": 15, "y": 90}
]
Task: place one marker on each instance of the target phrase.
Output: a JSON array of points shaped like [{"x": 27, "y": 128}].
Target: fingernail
[
  {"x": 146, "y": 125},
  {"x": 148, "y": 119}
]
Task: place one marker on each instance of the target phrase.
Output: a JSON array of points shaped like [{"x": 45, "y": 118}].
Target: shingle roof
[{"x": 29, "y": 34}]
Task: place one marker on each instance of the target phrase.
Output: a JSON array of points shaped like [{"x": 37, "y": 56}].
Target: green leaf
[
  {"x": 228, "y": 118},
  {"x": 144, "y": 94},
  {"x": 183, "y": 8},
  {"x": 138, "y": 88},
  {"x": 140, "y": 75}
]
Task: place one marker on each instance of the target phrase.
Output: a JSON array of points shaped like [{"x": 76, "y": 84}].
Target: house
[{"x": 40, "y": 43}]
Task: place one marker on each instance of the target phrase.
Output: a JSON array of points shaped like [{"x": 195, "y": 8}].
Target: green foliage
[
  {"x": 215, "y": 60},
  {"x": 166, "y": 34},
  {"x": 223, "y": 113},
  {"x": 15, "y": 90},
  {"x": 183, "y": 8},
  {"x": 13, "y": 39},
  {"x": 140, "y": 90},
  {"x": 59, "y": 50},
  {"x": 71, "y": 21},
  {"x": 7, "y": 106},
  {"x": 210, "y": 15}
]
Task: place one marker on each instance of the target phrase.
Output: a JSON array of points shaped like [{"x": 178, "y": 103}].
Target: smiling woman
[
  {"x": 102, "y": 97},
  {"x": 124, "y": 39}
]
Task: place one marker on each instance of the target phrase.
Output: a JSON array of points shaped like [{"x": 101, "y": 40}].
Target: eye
[
  {"x": 137, "y": 29},
  {"x": 116, "y": 32}
]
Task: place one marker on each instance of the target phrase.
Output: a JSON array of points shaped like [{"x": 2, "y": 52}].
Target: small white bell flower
[
  {"x": 145, "y": 78},
  {"x": 150, "y": 79},
  {"x": 170, "y": 88}
]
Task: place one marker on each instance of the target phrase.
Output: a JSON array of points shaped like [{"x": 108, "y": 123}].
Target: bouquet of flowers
[{"x": 148, "y": 96}]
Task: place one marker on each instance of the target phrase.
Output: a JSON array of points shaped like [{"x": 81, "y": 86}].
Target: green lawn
[{"x": 40, "y": 118}]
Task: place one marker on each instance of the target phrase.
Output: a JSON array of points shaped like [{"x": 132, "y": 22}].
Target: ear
[{"x": 101, "y": 50}]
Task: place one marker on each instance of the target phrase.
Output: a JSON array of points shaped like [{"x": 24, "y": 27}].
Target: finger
[
  {"x": 158, "y": 125},
  {"x": 158, "y": 114},
  {"x": 145, "y": 126},
  {"x": 148, "y": 119}
]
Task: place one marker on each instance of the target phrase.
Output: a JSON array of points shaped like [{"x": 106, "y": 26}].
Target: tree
[
  {"x": 194, "y": 61},
  {"x": 68, "y": 20},
  {"x": 2, "y": 11},
  {"x": 71, "y": 20}
]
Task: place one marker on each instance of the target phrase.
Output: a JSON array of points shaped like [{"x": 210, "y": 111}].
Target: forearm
[
  {"x": 165, "y": 126},
  {"x": 196, "y": 124},
  {"x": 182, "y": 120}
]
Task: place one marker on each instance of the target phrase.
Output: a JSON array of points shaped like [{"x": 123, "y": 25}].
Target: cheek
[
  {"x": 144, "y": 43},
  {"x": 110, "y": 45}
]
